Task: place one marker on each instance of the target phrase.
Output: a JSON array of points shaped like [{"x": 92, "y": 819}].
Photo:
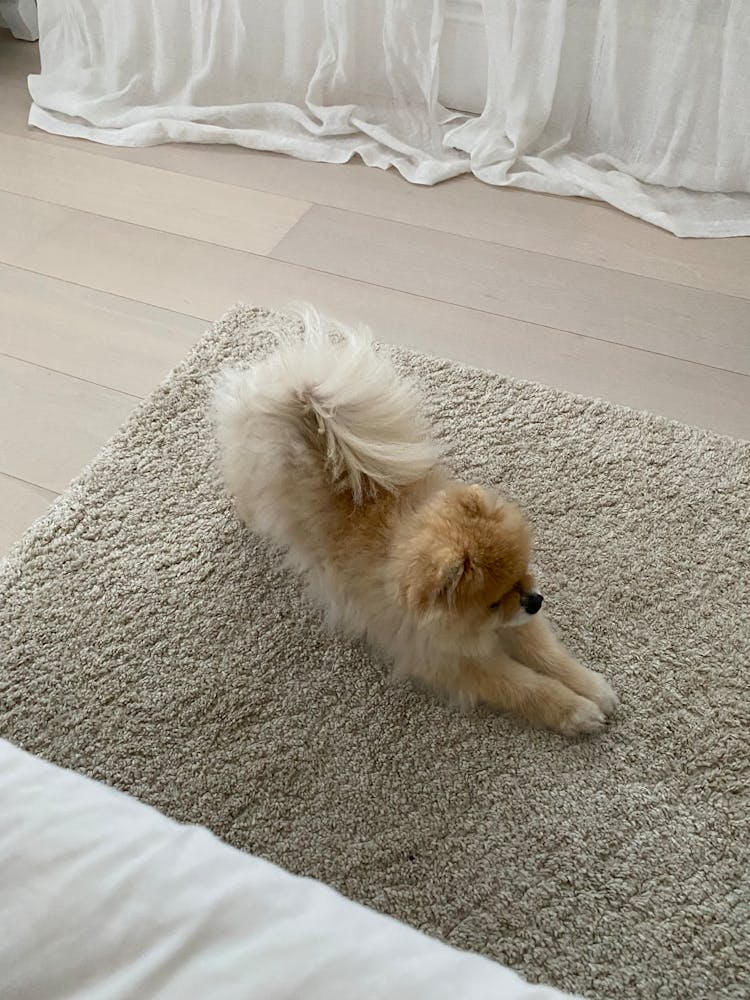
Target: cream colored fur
[{"x": 325, "y": 452}]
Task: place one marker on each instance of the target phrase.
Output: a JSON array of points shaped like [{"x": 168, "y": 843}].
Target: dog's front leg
[
  {"x": 511, "y": 686},
  {"x": 536, "y": 645}
]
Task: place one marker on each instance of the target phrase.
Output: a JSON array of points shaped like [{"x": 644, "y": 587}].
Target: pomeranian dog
[{"x": 325, "y": 453}]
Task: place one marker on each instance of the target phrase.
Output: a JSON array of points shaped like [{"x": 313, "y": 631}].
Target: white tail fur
[{"x": 330, "y": 382}]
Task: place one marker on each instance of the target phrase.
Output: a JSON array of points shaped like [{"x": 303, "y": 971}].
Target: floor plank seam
[
  {"x": 77, "y": 378},
  {"x": 28, "y": 482}
]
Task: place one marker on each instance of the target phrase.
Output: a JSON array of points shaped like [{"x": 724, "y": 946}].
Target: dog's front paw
[
  {"x": 603, "y": 695},
  {"x": 581, "y": 717}
]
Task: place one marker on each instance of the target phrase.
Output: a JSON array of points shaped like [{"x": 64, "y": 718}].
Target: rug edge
[{"x": 55, "y": 513}]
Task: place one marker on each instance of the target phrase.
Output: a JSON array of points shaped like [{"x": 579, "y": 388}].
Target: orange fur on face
[{"x": 470, "y": 551}]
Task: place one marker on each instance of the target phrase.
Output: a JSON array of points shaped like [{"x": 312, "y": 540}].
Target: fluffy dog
[{"x": 325, "y": 452}]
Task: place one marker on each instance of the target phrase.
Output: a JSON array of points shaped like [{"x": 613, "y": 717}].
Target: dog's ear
[
  {"x": 435, "y": 581},
  {"x": 450, "y": 579},
  {"x": 472, "y": 500}
]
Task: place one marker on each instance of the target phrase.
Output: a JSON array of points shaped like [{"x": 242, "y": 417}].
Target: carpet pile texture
[{"x": 150, "y": 641}]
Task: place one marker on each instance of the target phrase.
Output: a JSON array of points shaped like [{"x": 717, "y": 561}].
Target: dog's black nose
[{"x": 532, "y": 603}]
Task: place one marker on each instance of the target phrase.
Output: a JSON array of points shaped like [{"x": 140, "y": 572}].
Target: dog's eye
[{"x": 495, "y": 606}]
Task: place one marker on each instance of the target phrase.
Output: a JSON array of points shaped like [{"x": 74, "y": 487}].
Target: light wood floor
[{"x": 113, "y": 262}]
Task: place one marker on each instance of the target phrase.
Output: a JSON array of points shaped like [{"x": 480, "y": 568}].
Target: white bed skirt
[{"x": 643, "y": 105}]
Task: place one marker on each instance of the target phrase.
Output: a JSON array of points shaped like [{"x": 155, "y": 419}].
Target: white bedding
[{"x": 103, "y": 897}]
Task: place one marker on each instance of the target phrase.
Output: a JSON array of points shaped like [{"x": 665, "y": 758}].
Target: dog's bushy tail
[{"x": 331, "y": 393}]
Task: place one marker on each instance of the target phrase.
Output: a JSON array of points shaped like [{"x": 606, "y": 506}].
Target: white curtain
[{"x": 641, "y": 103}]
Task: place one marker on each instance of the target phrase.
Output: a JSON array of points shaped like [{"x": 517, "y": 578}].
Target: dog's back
[{"x": 317, "y": 429}]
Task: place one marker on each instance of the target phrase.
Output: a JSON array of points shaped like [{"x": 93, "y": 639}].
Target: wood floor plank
[
  {"x": 159, "y": 199},
  {"x": 687, "y": 323},
  {"x": 25, "y": 224},
  {"x": 571, "y": 228},
  {"x": 116, "y": 342},
  {"x": 52, "y": 424},
  {"x": 186, "y": 276},
  {"x": 161, "y": 269},
  {"x": 20, "y": 505},
  {"x": 203, "y": 280}
]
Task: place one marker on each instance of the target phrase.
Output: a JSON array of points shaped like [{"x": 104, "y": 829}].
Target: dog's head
[{"x": 468, "y": 561}]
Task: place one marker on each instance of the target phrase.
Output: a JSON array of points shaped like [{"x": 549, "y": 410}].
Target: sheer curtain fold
[{"x": 642, "y": 104}]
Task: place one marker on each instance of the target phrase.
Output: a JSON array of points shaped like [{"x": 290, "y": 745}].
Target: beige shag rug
[{"x": 149, "y": 641}]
